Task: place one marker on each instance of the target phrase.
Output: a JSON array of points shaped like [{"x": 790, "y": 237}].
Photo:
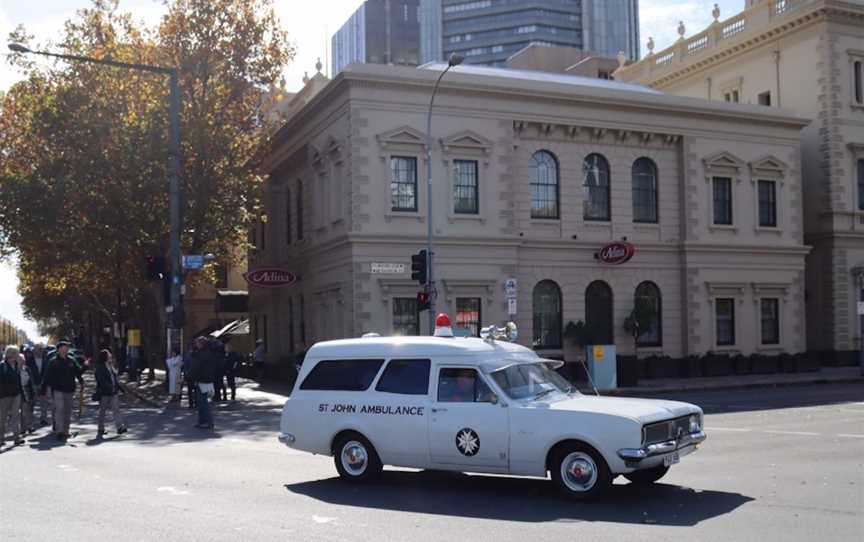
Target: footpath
[{"x": 154, "y": 394}]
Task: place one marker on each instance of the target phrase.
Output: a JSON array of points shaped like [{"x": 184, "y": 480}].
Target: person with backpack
[{"x": 108, "y": 393}]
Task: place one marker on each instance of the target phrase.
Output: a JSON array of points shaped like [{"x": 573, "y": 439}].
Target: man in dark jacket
[
  {"x": 36, "y": 364},
  {"x": 108, "y": 392},
  {"x": 232, "y": 367},
  {"x": 60, "y": 376},
  {"x": 203, "y": 371},
  {"x": 10, "y": 394}
]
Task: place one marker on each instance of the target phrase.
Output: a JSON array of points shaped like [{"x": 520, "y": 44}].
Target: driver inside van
[{"x": 461, "y": 387}]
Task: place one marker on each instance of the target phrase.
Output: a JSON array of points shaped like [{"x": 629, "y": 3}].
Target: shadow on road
[
  {"x": 759, "y": 399},
  {"x": 522, "y": 499}
]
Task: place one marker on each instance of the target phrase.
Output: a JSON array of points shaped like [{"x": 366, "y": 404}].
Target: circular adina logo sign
[
  {"x": 616, "y": 253},
  {"x": 467, "y": 442},
  {"x": 270, "y": 277}
]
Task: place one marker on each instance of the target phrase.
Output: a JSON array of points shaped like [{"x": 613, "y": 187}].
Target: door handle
[{"x": 439, "y": 410}]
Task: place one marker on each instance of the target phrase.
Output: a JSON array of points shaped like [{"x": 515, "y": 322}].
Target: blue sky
[{"x": 310, "y": 24}]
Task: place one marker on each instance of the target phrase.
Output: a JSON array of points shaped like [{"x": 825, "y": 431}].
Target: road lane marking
[
  {"x": 800, "y": 433},
  {"x": 848, "y": 435},
  {"x": 172, "y": 490},
  {"x": 322, "y": 519},
  {"x": 734, "y": 429}
]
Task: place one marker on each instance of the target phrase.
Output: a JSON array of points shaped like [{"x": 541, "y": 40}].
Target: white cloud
[
  {"x": 10, "y": 301},
  {"x": 659, "y": 18}
]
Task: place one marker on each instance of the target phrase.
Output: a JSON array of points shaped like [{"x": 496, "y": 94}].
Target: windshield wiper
[{"x": 544, "y": 393}]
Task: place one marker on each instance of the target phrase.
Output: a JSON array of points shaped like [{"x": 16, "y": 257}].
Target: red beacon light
[{"x": 443, "y": 328}]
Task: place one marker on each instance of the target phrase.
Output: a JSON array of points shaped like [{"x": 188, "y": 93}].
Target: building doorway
[{"x": 598, "y": 312}]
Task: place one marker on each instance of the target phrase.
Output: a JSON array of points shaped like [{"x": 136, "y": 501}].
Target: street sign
[
  {"x": 511, "y": 288},
  {"x": 386, "y": 268},
  {"x": 270, "y": 277},
  {"x": 616, "y": 253},
  {"x": 511, "y": 306},
  {"x": 193, "y": 261}
]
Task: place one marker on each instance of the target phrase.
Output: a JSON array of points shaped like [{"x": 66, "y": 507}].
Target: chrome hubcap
[
  {"x": 579, "y": 472},
  {"x": 354, "y": 458}
]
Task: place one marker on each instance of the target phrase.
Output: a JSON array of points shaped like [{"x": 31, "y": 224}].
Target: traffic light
[
  {"x": 418, "y": 267},
  {"x": 155, "y": 268},
  {"x": 422, "y": 301}
]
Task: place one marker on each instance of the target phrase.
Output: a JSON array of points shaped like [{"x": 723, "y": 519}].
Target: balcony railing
[{"x": 758, "y": 16}]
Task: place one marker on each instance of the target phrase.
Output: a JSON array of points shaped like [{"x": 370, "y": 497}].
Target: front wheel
[
  {"x": 356, "y": 459},
  {"x": 647, "y": 476},
  {"x": 580, "y": 472}
]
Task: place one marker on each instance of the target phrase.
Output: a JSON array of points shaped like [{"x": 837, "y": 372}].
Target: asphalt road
[{"x": 779, "y": 464}]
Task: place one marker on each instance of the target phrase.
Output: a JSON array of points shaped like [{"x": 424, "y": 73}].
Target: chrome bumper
[
  {"x": 635, "y": 455},
  {"x": 286, "y": 438}
]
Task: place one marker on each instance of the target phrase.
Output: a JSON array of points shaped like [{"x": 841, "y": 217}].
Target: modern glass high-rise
[
  {"x": 490, "y": 31},
  {"x": 379, "y": 32}
]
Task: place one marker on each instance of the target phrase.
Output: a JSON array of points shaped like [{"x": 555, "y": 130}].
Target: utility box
[{"x": 603, "y": 366}]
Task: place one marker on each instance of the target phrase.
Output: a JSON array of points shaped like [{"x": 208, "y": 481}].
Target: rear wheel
[
  {"x": 647, "y": 476},
  {"x": 580, "y": 472},
  {"x": 356, "y": 459}
]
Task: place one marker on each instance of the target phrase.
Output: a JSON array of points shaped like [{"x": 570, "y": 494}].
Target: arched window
[
  {"x": 598, "y": 312},
  {"x": 596, "y": 187},
  {"x": 547, "y": 315},
  {"x": 649, "y": 303},
  {"x": 544, "y": 185},
  {"x": 644, "y": 191}
]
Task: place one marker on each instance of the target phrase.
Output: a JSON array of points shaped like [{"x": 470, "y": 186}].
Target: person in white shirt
[{"x": 174, "y": 363}]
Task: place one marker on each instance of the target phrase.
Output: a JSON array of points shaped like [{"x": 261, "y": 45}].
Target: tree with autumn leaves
[{"x": 83, "y": 152}]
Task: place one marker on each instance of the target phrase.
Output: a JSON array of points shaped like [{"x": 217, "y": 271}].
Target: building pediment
[
  {"x": 466, "y": 140},
  {"x": 768, "y": 166},
  {"x": 723, "y": 161},
  {"x": 401, "y": 137}
]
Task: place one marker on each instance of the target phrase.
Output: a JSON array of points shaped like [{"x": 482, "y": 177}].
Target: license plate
[{"x": 671, "y": 459}]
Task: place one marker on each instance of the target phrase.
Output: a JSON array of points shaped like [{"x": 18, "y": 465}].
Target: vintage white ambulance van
[{"x": 476, "y": 405}]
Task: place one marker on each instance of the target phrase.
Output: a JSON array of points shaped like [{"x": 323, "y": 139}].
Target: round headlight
[{"x": 694, "y": 423}]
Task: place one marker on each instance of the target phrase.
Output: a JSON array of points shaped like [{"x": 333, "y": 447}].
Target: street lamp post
[
  {"x": 455, "y": 60},
  {"x": 174, "y": 186}
]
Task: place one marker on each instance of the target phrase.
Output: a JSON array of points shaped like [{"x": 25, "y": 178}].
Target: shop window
[
  {"x": 596, "y": 204},
  {"x": 724, "y": 321},
  {"x": 406, "y": 317},
  {"x": 722, "y": 190},
  {"x": 468, "y": 314},
  {"x": 644, "y": 191},
  {"x": 770, "y": 318},
  {"x": 599, "y": 312},
  {"x": 648, "y": 299},
  {"x": 403, "y": 183},
  {"x": 547, "y": 315},
  {"x": 767, "y": 204},
  {"x": 466, "y": 198},
  {"x": 544, "y": 185}
]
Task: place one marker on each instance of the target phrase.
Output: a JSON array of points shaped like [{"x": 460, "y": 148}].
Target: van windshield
[{"x": 531, "y": 381}]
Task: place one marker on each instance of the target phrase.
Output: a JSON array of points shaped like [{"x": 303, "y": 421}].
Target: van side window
[
  {"x": 342, "y": 375},
  {"x": 405, "y": 376},
  {"x": 462, "y": 386}
]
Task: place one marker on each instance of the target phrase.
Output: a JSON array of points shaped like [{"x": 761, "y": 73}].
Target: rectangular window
[
  {"x": 403, "y": 183},
  {"x": 221, "y": 273},
  {"x": 302, "y": 322},
  {"x": 465, "y": 187},
  {"x": 770, "y": 314},
  {"x": 858, "y": 81},
  {"x": 299, "y": 211},
  {"x": 724, "y": 315},
  {"x": 765, "y": 98},
  {"x": 861, "y": 184},
  {"x": 768, "y": 204},
  {"x": 288, "y": 218},
  {"x": 462, "y": 386},
  {"x": 342, "y": 375},
  {"x": 468, "y": 315},
  {"x": 406, "y": 317},
  {"x": 291, "y": 324},
  {"x": 722, "y": 187},
  {"x": 405, "y": 376}
]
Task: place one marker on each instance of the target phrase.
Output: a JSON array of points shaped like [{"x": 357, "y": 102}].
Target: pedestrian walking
[
  {"x": 10, "y": 395},
  {"x": 36, "y": 362},
  {"x": 108, "y": 393},
  {"x": 61, "y": 376},
  {"x": 186, "y": 370},
  {"x": 202, "y": 371},
  {"x": 174, "y": 364},
  {"x": 258, "y": 357},
  {"x": 28, "y": 395},
  {"x": 232, "y": 367},
  {"x": 221, "y": 394}
]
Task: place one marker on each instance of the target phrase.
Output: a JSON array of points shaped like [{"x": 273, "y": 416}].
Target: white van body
[{"x": 513, "y": 435}]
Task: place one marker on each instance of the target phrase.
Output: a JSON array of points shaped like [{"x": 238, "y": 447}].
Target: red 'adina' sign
[
  {"x": 270, "y": 277},
  {"x": 616, "y": 253}
]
